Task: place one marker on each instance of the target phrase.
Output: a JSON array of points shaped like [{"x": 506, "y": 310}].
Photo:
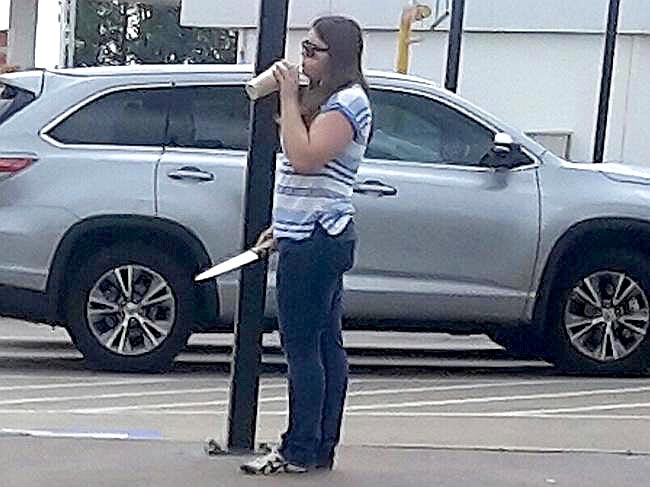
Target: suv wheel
[
  {"x": 600, "y": 314},
  {"x": 130, "y": 308}
]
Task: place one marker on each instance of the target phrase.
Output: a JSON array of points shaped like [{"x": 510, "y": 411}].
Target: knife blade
[{"x": 230, "y": 264}]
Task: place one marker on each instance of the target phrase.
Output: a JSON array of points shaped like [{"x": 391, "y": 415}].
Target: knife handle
[{"x": 263, "y": 250}]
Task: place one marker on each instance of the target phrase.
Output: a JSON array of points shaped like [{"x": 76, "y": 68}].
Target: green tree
[{"x": 114, "y": 32}]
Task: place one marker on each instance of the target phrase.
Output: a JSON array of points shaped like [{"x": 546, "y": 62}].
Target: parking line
[
  {"x": 597, "y": 407},
  {"x": 85, "y": 378},
  {"x": 74, "y": 385},
  {"x": 483, "y": 400},
  {"x": 504, "y": 414},
  {"x": 70, "y": 385},
  {"x": 122, "y": 395},
  {"x": 284, "y": 398},
  {"x": 60, "y": 434},
  {"x": 223, "y": 412},
  {"x": 511, "y": 449},
  {"x": 81, "y": 434},
  {"x": 457, "y": 387},
  {"x": 479, "y": 415},
  {"x": 150, "y": 407},
  {"x": 44, "y": 377}
]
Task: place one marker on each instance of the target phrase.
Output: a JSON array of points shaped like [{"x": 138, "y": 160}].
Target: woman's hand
[
  {"x": 287, "y": 77},
  {"x": 266, "y": 242}
]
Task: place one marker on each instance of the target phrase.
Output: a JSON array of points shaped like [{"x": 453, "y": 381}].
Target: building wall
[
  {"x": 538, "y": 82},
  {"x": 630, "y": 104}
]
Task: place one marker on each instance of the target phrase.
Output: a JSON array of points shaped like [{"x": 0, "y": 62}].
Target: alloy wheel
[
  {"x": 131, "y": 310},
  {"x": 606, "y": 316}
]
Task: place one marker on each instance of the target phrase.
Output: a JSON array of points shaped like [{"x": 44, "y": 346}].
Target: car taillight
[{"x": 14, "y": 164}]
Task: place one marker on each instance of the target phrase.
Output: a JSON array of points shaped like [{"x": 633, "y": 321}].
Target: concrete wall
[{"x": 22, "y": 33}]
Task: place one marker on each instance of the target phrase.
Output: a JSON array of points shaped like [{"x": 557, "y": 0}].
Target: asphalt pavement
[{"x": 424, "y": 410}]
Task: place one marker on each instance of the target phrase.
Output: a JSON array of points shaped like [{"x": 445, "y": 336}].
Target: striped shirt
[{"x": 325, "y": 197}]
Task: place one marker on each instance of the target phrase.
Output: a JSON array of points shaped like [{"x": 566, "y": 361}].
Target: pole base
[{"x": 212, "y": 448}]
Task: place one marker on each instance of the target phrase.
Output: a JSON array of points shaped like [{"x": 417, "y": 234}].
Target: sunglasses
[{"x": 309, "y": 49}]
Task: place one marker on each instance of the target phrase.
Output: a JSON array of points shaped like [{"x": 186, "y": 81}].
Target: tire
[
  {"x": 599, "y": 320},
  {"x": 140, "y": 334}
]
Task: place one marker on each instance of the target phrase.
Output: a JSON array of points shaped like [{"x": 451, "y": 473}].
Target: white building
[{"x": 535, "y": 63}]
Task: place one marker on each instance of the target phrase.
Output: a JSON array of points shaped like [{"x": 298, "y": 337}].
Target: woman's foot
[{"x": 271, "y": 463}]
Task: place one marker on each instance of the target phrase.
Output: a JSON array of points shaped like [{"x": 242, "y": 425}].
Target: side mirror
[
  {"x": 505, "y": 153},
  {"x": 502, "y": 143}
]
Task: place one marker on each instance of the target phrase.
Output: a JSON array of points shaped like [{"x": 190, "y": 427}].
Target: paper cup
[
  {"x": 262, "y": 84},
  {"x": 265, "y": 83}
]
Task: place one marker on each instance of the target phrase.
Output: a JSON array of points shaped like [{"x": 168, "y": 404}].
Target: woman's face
[{"x": 314, "y": 56}]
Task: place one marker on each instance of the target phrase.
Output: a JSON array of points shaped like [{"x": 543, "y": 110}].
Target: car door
[
  {"x": 201, "y": 173},
  {"x": 112, "y": 144},
  {"x": 441, "y": 236}
]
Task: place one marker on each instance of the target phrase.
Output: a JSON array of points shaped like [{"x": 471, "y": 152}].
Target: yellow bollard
[{"x": 410, "y": 14}]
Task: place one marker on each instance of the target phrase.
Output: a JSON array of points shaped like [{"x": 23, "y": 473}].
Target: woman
[{"x": 324, "y": 132}]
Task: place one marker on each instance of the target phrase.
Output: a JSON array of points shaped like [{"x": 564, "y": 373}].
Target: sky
[{"x": 48, "y": 33}]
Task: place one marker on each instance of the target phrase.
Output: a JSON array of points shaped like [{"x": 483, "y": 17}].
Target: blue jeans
[{"x": 309, "y": 290}]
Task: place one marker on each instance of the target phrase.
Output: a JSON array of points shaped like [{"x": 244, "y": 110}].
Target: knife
[{"x": 251, "y": 255}]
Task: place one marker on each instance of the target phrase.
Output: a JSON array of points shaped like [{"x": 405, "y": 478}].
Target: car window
[
  {"x": 12, "y": 100},
  {"x": 210, "y": 117},
  {"x": 132, "y": 117},
  {"x": 414, "y": 128}
]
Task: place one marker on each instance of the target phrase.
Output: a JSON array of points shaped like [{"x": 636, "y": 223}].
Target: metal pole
[
  {"x": 606, "y": 81},
  {"x": 244, "y": 387},
  {"x": 68, "y": 23},
  {"x": 455, "y": 39}
]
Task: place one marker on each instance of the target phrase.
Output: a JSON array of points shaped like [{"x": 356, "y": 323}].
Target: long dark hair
[{"x": 344, "y": 38}]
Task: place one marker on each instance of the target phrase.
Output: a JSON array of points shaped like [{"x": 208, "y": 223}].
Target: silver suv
[{"x": 117, "y": 185}]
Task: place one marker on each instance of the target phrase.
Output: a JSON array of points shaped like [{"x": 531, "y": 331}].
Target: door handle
[
  {"x": 376, "y": 187},
  {"x": 191, "y": 173}
]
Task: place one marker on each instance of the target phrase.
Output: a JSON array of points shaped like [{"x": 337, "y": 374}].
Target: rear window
[
  {"x": 134, "y": 117},
  {"x": 12, "y": 100}
]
